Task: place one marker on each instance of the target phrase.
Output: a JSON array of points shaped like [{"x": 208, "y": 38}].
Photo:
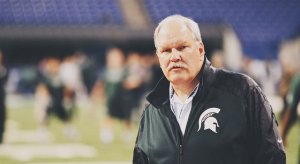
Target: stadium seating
[
  {"x": 260, "y": 24},
  {"x": 60, "y": 12}
]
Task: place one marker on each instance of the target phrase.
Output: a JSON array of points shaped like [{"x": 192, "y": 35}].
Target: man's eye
[
  {"x": 166, "y": 51},
  {"x": 181, "y": 48}
]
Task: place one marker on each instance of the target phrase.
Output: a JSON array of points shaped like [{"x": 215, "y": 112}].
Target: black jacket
[{"x": 231, "y": 122}]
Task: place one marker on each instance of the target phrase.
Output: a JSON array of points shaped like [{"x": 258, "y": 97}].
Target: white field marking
[
  {"x": 14, "y": 134},
  {"x": 27, "y": 152}
]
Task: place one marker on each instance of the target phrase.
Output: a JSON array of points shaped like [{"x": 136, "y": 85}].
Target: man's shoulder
[{"x": 233, "y": 81}]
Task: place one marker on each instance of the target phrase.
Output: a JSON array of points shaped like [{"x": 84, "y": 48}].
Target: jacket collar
[{"x": 160, "y": 94}]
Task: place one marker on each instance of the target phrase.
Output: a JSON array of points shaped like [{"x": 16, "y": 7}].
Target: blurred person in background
[
  {"x": 198, "y": 113},
  {"x": 42, "y": 100},
  {"x": 149, "y": 73},
  {"x": 217, "y": 59},
  {"x": 150, "y": 69},
  {"x": 74, "y": 91},
  {"x": 88, "y": 70},
  {"x": 113, "y": 78},
  {"x": 51, "y": 93},
  {"x": 284, "y": 85},
  {"x": 267, "y": 73},
  {"x": 289, "y": 58},
  {"x": 71, "y": 77},
  {"x": 132, "y": 91},
  {"x": 3, "y": 78},
  {"x": 156, "y": 72},
  {"x": 290, "y": 115}
]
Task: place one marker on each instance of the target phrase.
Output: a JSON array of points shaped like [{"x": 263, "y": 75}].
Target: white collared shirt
[{"x": 180, "y": 109}]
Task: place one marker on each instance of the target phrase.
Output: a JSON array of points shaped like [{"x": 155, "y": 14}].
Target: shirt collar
[
  {"x": 160, "y": 94},
  {"x": 191, "y": 96}
]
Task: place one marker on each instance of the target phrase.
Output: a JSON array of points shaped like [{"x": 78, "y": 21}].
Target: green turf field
[
  {"x": 21, "y": 147},
  {"x": 21, "y": 130},
  {"x": 292, "y": 147}
]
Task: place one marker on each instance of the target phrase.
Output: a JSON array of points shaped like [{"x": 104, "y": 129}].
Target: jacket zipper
[
  {"x": 180, "y": 139},
  {"x": 173, "y": 118},
  {"x": 180, "y": 153}
]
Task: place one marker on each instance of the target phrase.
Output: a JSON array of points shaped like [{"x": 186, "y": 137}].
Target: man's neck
[{"x": 184, "y": 91}]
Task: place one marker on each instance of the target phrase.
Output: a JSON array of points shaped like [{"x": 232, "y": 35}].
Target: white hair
[{"x": 188, "y": 22}]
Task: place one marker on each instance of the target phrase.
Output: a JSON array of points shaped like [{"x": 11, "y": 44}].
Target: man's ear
[{"x": 201, "y": 49}]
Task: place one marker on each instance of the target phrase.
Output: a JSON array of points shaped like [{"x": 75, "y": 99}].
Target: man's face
[{"x": 180, "y": 55}]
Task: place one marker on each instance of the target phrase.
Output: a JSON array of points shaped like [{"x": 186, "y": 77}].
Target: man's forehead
[
  {"x": 173, "y": 33},
  {"x": 172, "y": 27}
]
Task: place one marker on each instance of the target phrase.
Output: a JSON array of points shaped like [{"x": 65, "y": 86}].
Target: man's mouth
[{"x": 176, "y": 68}]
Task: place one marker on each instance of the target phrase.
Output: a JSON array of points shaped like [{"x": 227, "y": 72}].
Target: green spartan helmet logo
[{"x": 210, "y": 122}]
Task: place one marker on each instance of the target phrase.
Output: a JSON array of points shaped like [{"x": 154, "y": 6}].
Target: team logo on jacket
[{"x": 210, "y": 122}]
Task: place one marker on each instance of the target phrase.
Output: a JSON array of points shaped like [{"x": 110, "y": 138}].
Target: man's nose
[{"x": 175, "y": 57}]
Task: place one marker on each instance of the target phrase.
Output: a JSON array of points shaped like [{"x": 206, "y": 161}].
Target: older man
[{"x": 200, "y": 114}]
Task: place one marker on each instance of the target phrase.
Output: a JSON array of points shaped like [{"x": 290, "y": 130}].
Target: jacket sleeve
[
  {"x": 266, "y": 145},
  {"x": 139, "y": 157}
]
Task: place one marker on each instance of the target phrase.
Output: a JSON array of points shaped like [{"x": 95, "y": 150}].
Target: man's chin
[{"x": 177, "y": 81}]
